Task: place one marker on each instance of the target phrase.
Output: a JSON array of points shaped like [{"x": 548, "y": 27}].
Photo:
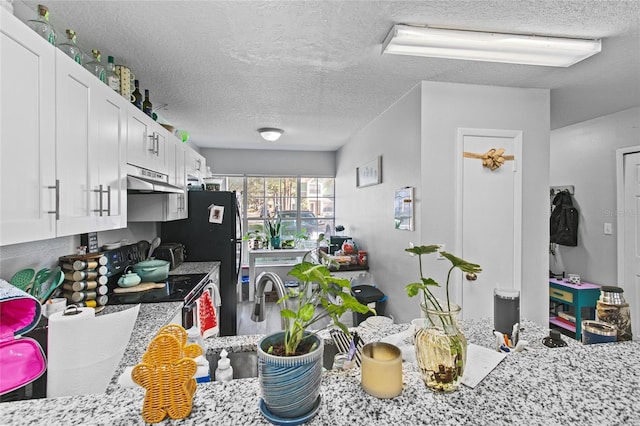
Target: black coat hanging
[{"x": 564, "y": 220}]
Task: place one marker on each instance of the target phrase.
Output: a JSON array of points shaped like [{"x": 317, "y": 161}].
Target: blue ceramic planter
[
  {"x": 275, "y": 242},
  {"x": 290, "y": 385}
]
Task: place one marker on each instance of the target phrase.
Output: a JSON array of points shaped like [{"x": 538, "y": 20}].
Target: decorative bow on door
[{"x": 492, "y": 159}]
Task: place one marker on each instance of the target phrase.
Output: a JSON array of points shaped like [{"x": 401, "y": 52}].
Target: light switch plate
[
  {"x": 440, "y": 248},
  {"x": 608, "y": 229}
]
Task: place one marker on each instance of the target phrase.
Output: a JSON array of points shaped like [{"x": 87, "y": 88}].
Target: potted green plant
[
  {"x": 255, "y": 239},
  {"x": 273, "y": 230},
  {"x": 290, "y": 361},
  {"x": 441, "y": 348},
  {"x": 323, "y": 243},
  {"x": 301, "y": 237}
]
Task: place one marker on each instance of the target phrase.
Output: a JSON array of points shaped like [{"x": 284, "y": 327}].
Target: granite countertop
[
  {"x": 194, "y": 268},
  {"x": 593, "y": 384}
]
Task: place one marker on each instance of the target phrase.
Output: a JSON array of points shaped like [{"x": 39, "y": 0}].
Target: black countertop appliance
[
  {"x": 335, "y": 243},
  {"x": 213, "y": 232}
]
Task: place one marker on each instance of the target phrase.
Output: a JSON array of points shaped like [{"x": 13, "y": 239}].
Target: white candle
[{"x": 382, "y": 370}]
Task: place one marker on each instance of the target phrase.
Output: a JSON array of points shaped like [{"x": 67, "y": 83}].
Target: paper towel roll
[{"x": 84, "y": 350}]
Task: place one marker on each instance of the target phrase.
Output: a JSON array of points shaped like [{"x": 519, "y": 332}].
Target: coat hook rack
[{"x": 555, "y": 189}]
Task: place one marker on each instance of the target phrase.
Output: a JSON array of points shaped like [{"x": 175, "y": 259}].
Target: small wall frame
[
  {"x": 369, "y": 173},
  {"x": 403, "y": 209}
]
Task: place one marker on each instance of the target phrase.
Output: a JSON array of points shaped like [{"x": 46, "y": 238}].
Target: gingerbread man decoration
[{"x": 167, "y": 376}]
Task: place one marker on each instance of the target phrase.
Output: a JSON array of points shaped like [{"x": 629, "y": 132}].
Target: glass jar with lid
[
  {"x": 71, "y": 48},
  {"x": 42, "y": 26},
  {"x": 95, "y": 66}
]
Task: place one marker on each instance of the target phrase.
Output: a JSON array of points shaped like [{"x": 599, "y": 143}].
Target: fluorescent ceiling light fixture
[
  {"x": 270, "y": 134},
  {"x": 488, "y": 47}
]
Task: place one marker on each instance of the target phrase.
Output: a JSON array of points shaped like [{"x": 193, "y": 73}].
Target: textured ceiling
[{"x": 314, "y": 68}]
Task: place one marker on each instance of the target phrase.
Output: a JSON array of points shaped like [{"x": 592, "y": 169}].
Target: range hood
[{"x": 144, "y": 181}]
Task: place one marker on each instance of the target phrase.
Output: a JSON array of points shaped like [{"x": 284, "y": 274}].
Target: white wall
[
  {"x": 45, "y": 253},
  {"x": 583, "y": 155},
  {"x": 447, "y": 107},
  {"x": 367, "y": 213},
  {"x": 416, "y": 138},
  {"x": 270, "y": 163}
]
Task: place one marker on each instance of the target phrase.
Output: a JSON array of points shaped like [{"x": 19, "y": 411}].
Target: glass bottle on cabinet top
[
  {"x": 113, "y": 80},
  {"x": 95, "y": 66},
  {"x": 71, "y": 48},
  {"x": 42, "y": 26},
  {"x": 147, "y": 107},
  {"x": 136, "y": 96}
]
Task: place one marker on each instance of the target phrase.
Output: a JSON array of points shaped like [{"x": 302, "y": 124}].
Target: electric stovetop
[{"x": 176, "y": 289}]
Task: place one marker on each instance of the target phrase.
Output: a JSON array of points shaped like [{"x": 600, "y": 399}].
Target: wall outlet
[
  {"x": 411, "y": 245},
  {"x": 608, "y": 229},
  {"x": 440, "y": 248}
]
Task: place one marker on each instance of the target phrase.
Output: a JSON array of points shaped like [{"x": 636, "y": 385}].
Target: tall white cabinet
[
  {"x": 61, "y": 145},
  {"x": 27, "y": 139},
  {"x": 90, "y": 124}
]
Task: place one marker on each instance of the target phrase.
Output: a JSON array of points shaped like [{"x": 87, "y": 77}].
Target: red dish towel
[{"x": 207, "y": 315}]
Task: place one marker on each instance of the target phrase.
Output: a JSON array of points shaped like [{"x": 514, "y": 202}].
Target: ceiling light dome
[{"x": 270, "y": 134}]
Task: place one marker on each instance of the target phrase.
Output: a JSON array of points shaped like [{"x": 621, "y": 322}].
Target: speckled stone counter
[
  {"x": 576, "y": 385},
  {"x": 151, "y": 317},
  {"x": 194, "y": 268}
]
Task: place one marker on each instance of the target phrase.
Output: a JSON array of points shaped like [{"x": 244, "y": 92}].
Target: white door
[
  {"x": 631, "y": 277},
  {"x": 489, "y": 218}
]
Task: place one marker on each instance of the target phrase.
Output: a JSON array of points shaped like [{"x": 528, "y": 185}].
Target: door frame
[
  {"x": 620, "y": 153},
  {"x": 516, "y": 135}
]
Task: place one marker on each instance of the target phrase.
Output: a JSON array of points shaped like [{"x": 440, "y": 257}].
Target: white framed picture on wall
[{"x": 369, "y": 173}]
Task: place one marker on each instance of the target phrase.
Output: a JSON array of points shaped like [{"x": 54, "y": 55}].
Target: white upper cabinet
[
  {"x": 111, "y": 117},
  {"x": 196, "y": 164},
  {"x": 27, "y": 136},
  {"x": 146, "y": 142},
  {"x": 163, "y": 207},
  {"x": 62, "y": 141},
  {"x": 177, "y": 203},
  {"x": 90, "y": 123}
]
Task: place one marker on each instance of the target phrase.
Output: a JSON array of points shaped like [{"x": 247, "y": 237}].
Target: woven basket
[{"x": 166, "y": 373}]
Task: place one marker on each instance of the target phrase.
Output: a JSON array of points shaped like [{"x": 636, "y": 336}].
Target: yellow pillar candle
[{"x": 382, "y": 370}]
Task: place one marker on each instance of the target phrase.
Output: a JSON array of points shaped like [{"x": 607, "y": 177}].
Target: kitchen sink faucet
[{"x": 261, "y": 282}]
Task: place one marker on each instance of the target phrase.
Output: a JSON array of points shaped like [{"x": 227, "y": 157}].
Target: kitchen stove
[{"x": 178, "y": 288}]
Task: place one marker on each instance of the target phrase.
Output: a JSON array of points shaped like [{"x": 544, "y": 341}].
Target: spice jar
[{"x": 362, "y": 258}]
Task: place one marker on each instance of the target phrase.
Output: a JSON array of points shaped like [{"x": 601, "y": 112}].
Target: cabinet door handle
[
  {"x": 108, "y": 200},
  {"x": 157, "y": 141},
  {"x": 100, "y": 192},
  {"x": 154, "y": 140},
  {"x": 57, "y": 189}
]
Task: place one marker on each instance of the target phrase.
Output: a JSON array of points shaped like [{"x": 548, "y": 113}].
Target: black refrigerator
[{"x": 213, "y": 232}]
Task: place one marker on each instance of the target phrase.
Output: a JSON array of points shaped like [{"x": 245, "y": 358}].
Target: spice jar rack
[{"x": 85, "y": 280}]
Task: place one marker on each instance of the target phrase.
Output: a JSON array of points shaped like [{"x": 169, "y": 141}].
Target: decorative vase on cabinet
[
  {"x": 275, "y": 242},
  {"x": 441, "y": 349}
]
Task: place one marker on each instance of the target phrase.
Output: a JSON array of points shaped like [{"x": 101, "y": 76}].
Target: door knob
[{"x": 471, "y": 276}]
